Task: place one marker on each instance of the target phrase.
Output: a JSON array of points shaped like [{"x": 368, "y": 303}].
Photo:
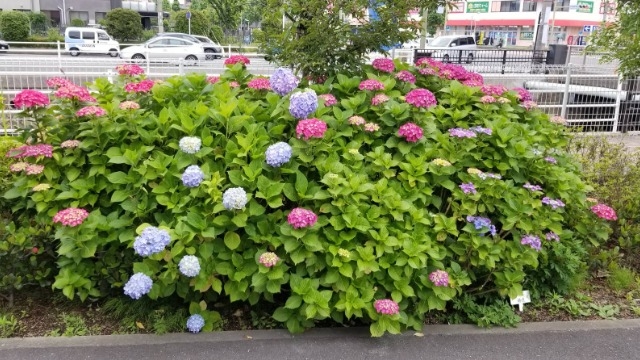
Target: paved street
[{"x": 589, "y": 340}]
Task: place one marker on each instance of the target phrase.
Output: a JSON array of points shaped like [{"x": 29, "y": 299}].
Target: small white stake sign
[{"x": 522, "y": 299}]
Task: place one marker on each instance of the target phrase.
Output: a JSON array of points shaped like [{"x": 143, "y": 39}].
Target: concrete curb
[{"x": 311, "y": 335}]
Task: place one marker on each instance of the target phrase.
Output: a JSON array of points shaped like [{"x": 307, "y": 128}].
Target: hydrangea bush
[{"x": 406, "y": 190}]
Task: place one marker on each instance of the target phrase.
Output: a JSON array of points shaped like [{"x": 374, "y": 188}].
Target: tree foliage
[
  {"x": 321, "y": 40},
  {"x": 175, "y": 6},
  {"x": 14, "y": 25},
  {"x": 124, "y": 24},
  {"x": 228, "y": 12},
  {"x": 620, "y": 40},
  {"x": 201, "y": 24}
]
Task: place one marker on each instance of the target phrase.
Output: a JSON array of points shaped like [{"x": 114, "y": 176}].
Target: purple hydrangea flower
[
  {"x": 189, "y": 266},
  {"x": 234, "y": 198},
  {"x": 532, "y": 241},
  {"x": 303, "y": 103},
  {"x": 552, "y": 236},
  {"x": 481, "y": 223},
  {"x": 481, "y": 130},
  {"x": 468, "y": 188},
  {"x": 530, "y": 187},
  {"x": 278, "y": 154},
  {"x": 551, "y": 160},
  {"x": 439, "y": 278},
  {"x": 462, "y": 133},
  {"x": 283, "y": 81},
  {"x": 554, "y": 203},
  {"x": 151, "y": 241},
  {"x": 192, "y": 176},
  {"x": 195, "y": 323},
  {"x": 139, "y": 284}
]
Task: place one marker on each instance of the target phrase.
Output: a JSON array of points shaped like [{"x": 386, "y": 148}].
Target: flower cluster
[
  {"x": 268, "y": 259},
  {"x": 311, "y": 128},
  {"x": 138, "y": 285},
  {"x": 529, "y": 105},
  {"x": 328, "y": 99},
  {"x": 301, "y": 218},
  {"x": 531, "y": 240},
  {"x": 462, "y": 133},
  {"x": 530, "y": 187},
  {"x": 551, "y": 160},
  {"x": 386, "y": 307},
  {"x": 143, "y": 86},
  {"x": 482, "y": 223},
  {"x": 384, "y": 65},
  {"x": 493, "y": 90},
  {"x": 151, "y": 241},
  {"x": 129, "y": 105},
  {"x": 440, "y": 162},
  {"x": 278, "y": 154},
  {"x": 421, "y": 98},
  {"x": 259, "y": 83},
  {"x": 189, "y": 266},
  {"x": 30, "y": 98},
  {"x": 235, "y": 59},
  {"x": 234, "y": 198},
  {"x": 234, "y": 84},
  {"x": 487, "y": 99},
  {"x": 406, "y": 76},
  {"x": 283, "y": 81},
  {"x": 70, "y": 144},
  {"x": 468, "y": 188},
  {"x": 71, "y": 217},
  {"x": 344, "y": 253},
  {"x": 523, "y": 94},
  {"x": 481, "y": 130},
  {"x": 371, "y": 85},
  {"x": 484, "y": 176},
  {"x": 41, "y": 187},
  {"x": 303, "y": 103},
  {"x": 129, "y": 70},
  {"x": 192, "y": 176},
  {"x": 379, "y": 99},
  {"x": 213, "y": 79},
  {"x": 554, "y": 203},
  {"x": 556, "y": 119},
  {"x": 504, "y": 100},
  {"x": 371, "y": 127},
  {"x": 410, "y": 132},
  {"x": 26, "y": 151},
  {"x": 357, "y": 120},
  {"x": 74, "y": 92},
  {"x": 195, "y": 323},
  {"x": 552, "y": 236},
  {"x": 439, "y": 278},
  {"x": 56, "y": 82},
  {"x": 604, "y": 212},
  {"x": 190, "y": 144},
  {"x": 91, "y": 111}
]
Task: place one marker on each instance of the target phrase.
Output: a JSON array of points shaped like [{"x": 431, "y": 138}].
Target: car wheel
[
  {"x": 113, "y": 53},
  {"x": 209, "y": 54},
  {"x": 138, "y": 58},
  {"x": 470, "y": 59},
  {"x": 191, "y": 60},
  {"x": 445, "y": 58},
  {"x": 74, "y": 52}
]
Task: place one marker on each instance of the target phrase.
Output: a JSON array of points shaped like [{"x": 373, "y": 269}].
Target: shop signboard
[
  {"x": 526, "y": 35},
  {"x": 478, "y": 7},
  {"x": 585, "y": 7}
]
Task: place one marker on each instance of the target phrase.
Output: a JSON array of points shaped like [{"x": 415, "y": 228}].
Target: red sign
[{"x": 457, "y": 7}]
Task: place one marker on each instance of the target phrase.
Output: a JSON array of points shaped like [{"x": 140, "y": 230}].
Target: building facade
[
  {"x": 518, "y": 22},
  {"x": 20, "y": 5}
]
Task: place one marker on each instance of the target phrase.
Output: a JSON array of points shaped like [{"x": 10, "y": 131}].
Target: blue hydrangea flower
[
  {"x": 303, "y": 103},
  {"x": 139, "y": 284},
  {"x": 482, "y": 223},
  {"x": 531, "y": 240},
  {"x": 278, "y": 154},
  {"x": 283, "y": 81},
  {"x": 189, "y": 266},
  {"x": 190, "y": 144},
  {"x": 192, "y": 176},
  {"x": 234, "y": 198},
  {"x": 195, "y": 323},
  {"x": 151, "y": 241}
]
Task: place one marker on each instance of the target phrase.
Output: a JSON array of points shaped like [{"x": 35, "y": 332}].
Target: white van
[{"x": 89, "y": 40}]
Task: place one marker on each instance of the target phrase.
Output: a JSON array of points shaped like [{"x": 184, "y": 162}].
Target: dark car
[
  {"x": 211, "y": 49},
  {"x": 4, "y": 45}
]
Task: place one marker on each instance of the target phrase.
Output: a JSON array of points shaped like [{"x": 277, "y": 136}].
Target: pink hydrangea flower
[
  {"x": 503, "y": 100},
  {"x": 371, "y": 127},
  {"x": 129, "y": 70},
  {"x": 529, "y": 105},
  {"x": 604, "y": 212},
  {"x": 427, "y": 71},
  {"x": 301, "y": 218},
  {"x": 410, "y": 132},
  {"x": 34, "y": 169},
  {"x": 26, "y": 151},
  {"x": 472, "y": 83},
  {"x": 371, "y": 85},
  {"x": 259, "y": 83},
  {"x": 406, "y": 76},
  {"x": 70, "y": 144},
  {"x": 311, "y": 128},
  {"x": 129, "y": 105},
  {"x": 523, "y": 94},
  {"x": 30, "y": 98},
  {"x": 71, "y": 217},
  {"x": 143, "y": 86},
  {"x": 558, "y": 120},
  {"x": 234, "y": 84},
  {"x": 237, "y": 59},
  {"x": 91, "y": 111},
  {"x": 421, "y": 98},
  {"x": 357, "y": 120},
  {"x": 439, "y": 278},
  {"x": 19, "y": 166},
  {"x": 269, "y": 259},
  {"x": 493, "y": 90},
  {"x": 384, "y": 65},
  {"x": 487, "y": 99},
  {"x": 329, "y": 100},
  {"x": 386, "y": 307},
  {"x": 56, "y": 82},
  {"x": 213, "y": 79},
  {"x": 379, "y": 99},
  {"x": 74, "y": 92}
]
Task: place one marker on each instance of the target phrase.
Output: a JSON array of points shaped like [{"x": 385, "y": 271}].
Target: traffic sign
[
  {"x": 586, "y": 28},
  {"x": 188, "y": 15}
]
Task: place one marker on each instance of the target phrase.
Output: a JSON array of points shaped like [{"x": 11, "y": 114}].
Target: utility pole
[
  {"x": 425, "y": 22},
  {"x": 160, "y": 16}
]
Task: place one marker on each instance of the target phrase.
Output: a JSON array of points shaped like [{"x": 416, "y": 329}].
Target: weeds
[
  {"x": 146, "y": 315},
  {"x": 8, "y": 325}
]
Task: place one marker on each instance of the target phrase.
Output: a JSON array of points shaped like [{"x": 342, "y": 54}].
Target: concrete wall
[
  {"x": 33, "y": 5},
  {"x": 90, "y": 6}
]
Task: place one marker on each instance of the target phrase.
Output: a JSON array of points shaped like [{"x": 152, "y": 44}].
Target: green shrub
[
  {"x": 199, "y": 23},
  {"x": 54, "y": 35},
  {"x": 622, "y": 278},
  {"x": 148, "y": 34},
  {"x": 392, "y": 214},
  {"x": 14, "y": 25},
  {"x": 124, "y": 24},
  {"x": 78, "y": 22},
  {"x": 39, "y": 22}
]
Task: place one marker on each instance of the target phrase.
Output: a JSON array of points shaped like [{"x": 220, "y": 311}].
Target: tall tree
[{"x": 228, "y": 12}]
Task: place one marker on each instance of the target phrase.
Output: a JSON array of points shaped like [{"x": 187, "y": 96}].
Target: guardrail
[{"x": 499, "y": 60}]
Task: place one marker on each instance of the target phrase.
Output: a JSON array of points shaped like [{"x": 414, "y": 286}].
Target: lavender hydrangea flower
[
  {"x": 151, "y": 241},
  {"x": 481, "y": 130},
  {"x": 485, "y": 176},
  {"x": 462, "y": 133},
  {"x": 189, "y": 266},
  {"x": 303, "y": 103},
  {"x": 234, "y": 198},
  {"x": 552, "y": 236},
  {"x": 532, "y": 241},
  {"x": 278, "y": 154},
  {"x": 190, "y": 144},
  {"x": 482, "y": 223},
  {"x": 551, "y": 160},
  {"x": 530, "y": 187},
  {"x": 195, "y": 323},
  {"x": 139, "y": 284},
  {"x": 192, "y": 176},
  {"x": 554, "y": 203},
  {"x": 468, "y": 188},
  {"x": 283, "y": 81}
]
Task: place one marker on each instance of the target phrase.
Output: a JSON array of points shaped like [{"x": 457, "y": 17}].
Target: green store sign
[
  {"x": 585, "y": 7},
  {"x": 478, "y": 7},
  {"x": 526, "y": 35}
]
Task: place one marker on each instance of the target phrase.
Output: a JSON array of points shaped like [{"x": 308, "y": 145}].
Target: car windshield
[
  {"x": 203, "y": 39},
  {"x": 440, "y": 42}
]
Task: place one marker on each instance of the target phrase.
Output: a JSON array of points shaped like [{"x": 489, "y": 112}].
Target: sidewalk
[{"x": 577, "y": 340}]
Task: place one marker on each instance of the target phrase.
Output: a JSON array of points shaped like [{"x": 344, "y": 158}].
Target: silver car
[
  {"x": 212, "y": 48},
  {"x": 167, "y": 49},
  {"x": 451, "y": 47}
]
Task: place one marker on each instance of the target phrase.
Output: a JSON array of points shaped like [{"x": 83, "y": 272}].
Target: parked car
[
  {"x": 448, "y": 47},
  {"x": 165, "y": 48},
  {"x": 4, "y": 45},
  {"x": 89, "y": 40},
  {"x": 212, "y": 49},
  {"x": 415, "y": 43}
]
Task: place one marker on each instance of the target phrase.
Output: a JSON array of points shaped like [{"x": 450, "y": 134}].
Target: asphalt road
[{"x": 569, "y": 341}]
